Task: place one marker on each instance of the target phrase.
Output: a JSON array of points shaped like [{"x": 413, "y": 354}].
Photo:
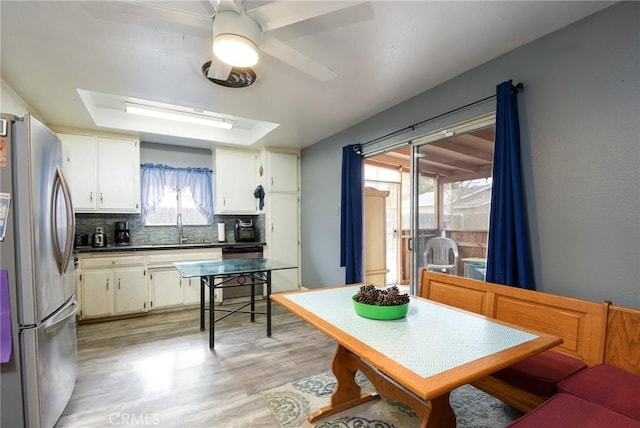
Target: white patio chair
[{"x": 438, "y": 255}]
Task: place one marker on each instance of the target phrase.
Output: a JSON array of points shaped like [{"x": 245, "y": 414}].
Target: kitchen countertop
[{"x": 151, "y": 247}]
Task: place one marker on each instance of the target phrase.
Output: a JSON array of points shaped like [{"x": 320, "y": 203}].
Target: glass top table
[
  {"x": 221, "y": 273},
  {"x": 428, "y": 353},
  {"x": 229, "y": 267}
]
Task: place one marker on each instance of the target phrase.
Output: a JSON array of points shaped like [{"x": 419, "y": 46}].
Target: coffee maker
[{"x": 122, "y": 236}]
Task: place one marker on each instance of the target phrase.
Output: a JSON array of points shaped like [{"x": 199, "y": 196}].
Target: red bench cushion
[
  {"x": 541, "y": 373},
  {"x": 569, "y": 411},
  {"x": 608, "y": 386}
]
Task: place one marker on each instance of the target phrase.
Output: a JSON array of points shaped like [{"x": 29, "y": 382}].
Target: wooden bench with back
[{"x": 581, "y": 324}]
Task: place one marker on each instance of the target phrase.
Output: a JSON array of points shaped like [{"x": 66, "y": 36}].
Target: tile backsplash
[{"x": 147, "y": 235}]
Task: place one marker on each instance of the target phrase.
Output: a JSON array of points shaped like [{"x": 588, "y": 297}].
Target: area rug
[{"x": 291, "y": 403}]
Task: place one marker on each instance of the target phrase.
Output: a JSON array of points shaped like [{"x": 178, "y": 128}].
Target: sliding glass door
[
  {"x": 439, "y": 186},
  {"x": 451, "y": 194}
]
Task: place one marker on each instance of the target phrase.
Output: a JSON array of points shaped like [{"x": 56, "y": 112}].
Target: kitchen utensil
[
  {"x": 122, "y": 235},
  {"x": 244, "y": 231},
  {"x": 99, "y": 239}
]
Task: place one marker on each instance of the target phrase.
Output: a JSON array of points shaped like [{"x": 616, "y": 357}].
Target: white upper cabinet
[
  {"x": 103, "y": 173},
  {"x": 282, "y": 170},
  {"x": 81, "y": 169},
  {"x": 118, "y": 175},
  {"x": 235, "y": 181}
]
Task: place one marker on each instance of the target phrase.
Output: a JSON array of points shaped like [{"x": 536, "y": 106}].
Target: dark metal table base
[{"x": 254, "y": 280}]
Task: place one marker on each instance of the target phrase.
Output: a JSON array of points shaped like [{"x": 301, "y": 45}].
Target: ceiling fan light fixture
[{"x": 235, "y": 50}]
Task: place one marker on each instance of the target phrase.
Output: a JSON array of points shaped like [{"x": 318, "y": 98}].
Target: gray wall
[
  {"x": 176, "y": 156},
  {"x": 580, "y": 133}
]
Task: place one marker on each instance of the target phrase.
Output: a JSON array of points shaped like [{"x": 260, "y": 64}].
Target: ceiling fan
[{"x": 238, "y": 29}]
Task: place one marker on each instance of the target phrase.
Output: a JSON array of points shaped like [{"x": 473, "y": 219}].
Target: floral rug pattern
[{"x": 291, "y": 403}]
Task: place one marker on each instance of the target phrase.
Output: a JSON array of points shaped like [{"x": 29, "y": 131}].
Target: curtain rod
[
  {"x": 514, "y": 88},
  {"x": 422, "y": 122},
  {"x": 210, "y": 170}
]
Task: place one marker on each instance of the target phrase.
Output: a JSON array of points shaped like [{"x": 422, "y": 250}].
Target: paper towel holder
[{"x": 221, "y": 232}]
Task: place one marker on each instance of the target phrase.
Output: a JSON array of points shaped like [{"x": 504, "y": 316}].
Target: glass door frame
[{"x": 463, "y": 127}]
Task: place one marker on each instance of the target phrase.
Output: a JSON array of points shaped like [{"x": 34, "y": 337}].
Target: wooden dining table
[{"x": 418, "y": 359}]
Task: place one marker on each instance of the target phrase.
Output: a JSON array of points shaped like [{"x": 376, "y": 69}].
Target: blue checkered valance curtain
[{"x": 156, "y": 177}]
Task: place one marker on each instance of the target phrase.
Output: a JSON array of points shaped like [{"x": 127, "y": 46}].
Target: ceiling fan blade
[
  {"x": 279, "y": 14},
  {"x": 218, "y": 70},
  {"x": 287, "y": 54}
]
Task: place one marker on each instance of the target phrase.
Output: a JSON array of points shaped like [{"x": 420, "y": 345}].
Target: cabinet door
[
  {"x": 192, "y": 290},
  {"x": 97, "y": 293},
  {"x": 283, "y": 172},
  {"x": 131, "y": 290},
  {"x": 282, "y": 239},
  {"x": 375, "y": 244},
  {"x": 80, "y": 168},
  {"x": 236, "y": 181},
  {"x": 118, "y": 175},
  {"x": 166, "y": 288}
]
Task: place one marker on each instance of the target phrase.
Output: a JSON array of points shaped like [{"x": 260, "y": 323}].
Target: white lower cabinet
[
  {"x": 167, "y": 288},
  {"x": 97, "y": 293},
  {"x": 192, "y": 291},
  {"x": 131, "y": 290},
  {"x": 117, "y": 284},
  {"x": 113, "y": 286}
]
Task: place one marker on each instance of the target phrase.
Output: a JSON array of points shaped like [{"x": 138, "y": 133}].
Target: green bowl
[{"x": 376, "y": 312}]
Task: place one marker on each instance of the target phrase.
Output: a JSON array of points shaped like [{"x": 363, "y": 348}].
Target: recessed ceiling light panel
[
  {"x": 178, "y": 116},
  {"x": 170, "y": 120}
]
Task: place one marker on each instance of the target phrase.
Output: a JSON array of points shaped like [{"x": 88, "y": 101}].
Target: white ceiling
[{"x": 383, "y": 53}]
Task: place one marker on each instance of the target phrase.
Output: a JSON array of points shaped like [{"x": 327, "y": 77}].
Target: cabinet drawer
[
  {"x": 169, "y": 259},
  {"x": 106, "y": 262}
]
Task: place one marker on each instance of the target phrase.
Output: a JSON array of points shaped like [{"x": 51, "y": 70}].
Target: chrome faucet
[{"x": 181, "y": 238}]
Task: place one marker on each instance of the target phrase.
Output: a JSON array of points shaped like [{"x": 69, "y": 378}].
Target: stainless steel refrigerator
[{"x": 37, "y": 262}]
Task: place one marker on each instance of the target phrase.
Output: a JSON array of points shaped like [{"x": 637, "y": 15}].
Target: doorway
[
  {"x": 450, "y": 180},
  {"x": 388, "y": 183}
]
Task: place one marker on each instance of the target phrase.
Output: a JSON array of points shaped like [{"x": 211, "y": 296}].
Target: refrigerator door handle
[
  {"x": 59, "y": 320},
  {"x": 62, "y": 257}
]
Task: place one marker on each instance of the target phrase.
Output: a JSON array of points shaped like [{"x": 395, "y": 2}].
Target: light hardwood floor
[{"x": 158, "y": 370}]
